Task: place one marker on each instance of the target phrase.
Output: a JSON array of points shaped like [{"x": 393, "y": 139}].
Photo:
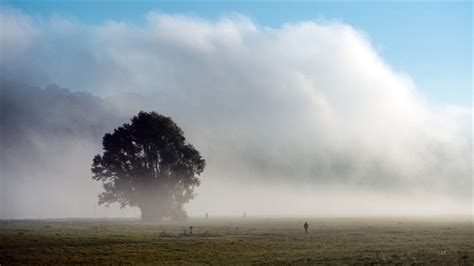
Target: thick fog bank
[{"x": 305, "y": 118}]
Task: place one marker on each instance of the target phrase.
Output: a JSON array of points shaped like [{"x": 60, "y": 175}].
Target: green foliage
[{"x": 148, "y": 164}]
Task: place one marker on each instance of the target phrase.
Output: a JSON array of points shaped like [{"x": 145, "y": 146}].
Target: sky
[
  {"x": 430, "y": 41},
  {"x": 298, "y": 109}
]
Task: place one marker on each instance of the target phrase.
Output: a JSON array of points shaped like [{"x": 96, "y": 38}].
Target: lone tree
[{"x": 148, "y": 164}]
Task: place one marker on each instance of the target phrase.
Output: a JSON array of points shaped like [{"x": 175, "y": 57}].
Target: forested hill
[
  {"x": 48, "y": 138},
  {"x": 52, "y": 111}
]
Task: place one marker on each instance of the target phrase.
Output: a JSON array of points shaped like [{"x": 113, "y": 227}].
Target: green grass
[{"x": 257, "y": 241}]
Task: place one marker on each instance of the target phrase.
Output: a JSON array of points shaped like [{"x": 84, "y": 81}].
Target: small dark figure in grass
[
  {"x": 306, "y": 226},
  {"x": 190, "y": 230}
]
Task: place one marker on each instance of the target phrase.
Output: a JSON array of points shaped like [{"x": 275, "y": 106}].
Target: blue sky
[{"x": 431, "y": 42}]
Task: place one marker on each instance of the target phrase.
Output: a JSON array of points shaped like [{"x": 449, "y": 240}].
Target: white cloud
[{"x": 303, "y": 104}]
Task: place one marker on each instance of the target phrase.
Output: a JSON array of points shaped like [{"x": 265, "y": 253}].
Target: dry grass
[{"x": 256, "y": 241}]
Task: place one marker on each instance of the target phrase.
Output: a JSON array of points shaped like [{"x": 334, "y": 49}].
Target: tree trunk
[
  {"x": 159, "y": 208},
  {"x": 151, "y": 213}
]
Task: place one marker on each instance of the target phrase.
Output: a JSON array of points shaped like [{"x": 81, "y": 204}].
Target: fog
[{"x": 303, "y": 119}]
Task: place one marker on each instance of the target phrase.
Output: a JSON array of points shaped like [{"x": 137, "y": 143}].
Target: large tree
[{"x": 148, "y": 164}]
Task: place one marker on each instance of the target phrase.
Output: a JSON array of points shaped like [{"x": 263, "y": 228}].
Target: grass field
[{"x": 239, "y": 241}]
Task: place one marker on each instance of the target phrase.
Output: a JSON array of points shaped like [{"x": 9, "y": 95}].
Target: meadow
[{"x": 239, "y": 241}]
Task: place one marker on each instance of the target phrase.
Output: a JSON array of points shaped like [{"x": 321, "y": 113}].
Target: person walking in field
[{"x": 306, "y": 226}]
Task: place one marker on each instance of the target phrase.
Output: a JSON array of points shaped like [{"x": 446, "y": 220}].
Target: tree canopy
[{"x": 148, "y": 164}]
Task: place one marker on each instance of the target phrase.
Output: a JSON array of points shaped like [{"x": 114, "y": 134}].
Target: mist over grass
[{"x": 240, "y": 241}]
